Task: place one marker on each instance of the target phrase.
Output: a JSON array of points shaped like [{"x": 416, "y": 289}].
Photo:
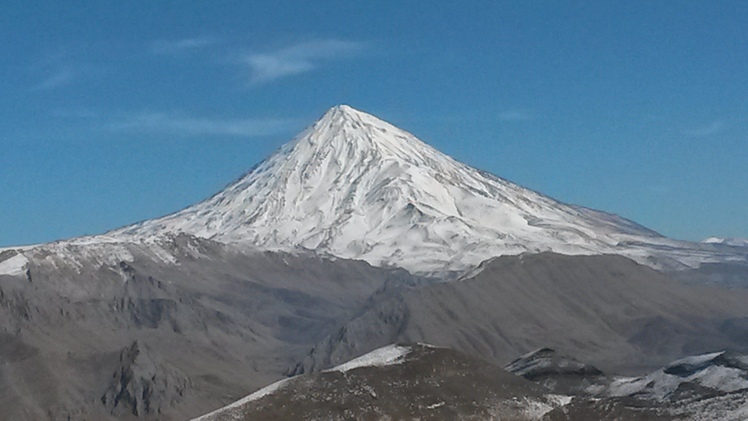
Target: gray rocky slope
[
  {"x": 176, "y": 328},
  {"x": 606, "y": 310},
  {"x": 85, "y": 339}
]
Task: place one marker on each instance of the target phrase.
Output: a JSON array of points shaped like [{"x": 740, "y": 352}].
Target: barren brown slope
[{"x": 607, "y": 310}]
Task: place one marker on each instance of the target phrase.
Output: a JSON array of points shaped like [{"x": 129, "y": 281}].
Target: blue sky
[{"x": 114, "y": 112}]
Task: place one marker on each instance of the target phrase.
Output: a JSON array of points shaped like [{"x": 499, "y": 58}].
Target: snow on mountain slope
[
  {"x": 357, "y": 187},
  {"x": 78, "y": 253},
  {"x": 723, "y": 372},
  {"x": 14, "y": 265},
  {"x": 735, "y": 242},
  {"x": 703, "y": 387},
  {"x": 388, "y": 355},
  {"x": 706, "y": 387}
]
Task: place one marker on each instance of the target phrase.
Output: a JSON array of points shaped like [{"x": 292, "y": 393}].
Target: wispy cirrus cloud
[
  {"x": 56, "y": 78},
  {"x": 181, "y": 125},
  {"x": 76, "y": 113},
  {"x": 517, "y": 115},
  {"x": 59, "y": 69},
  {"x": 297, "y": 59},
  {"x": 181, "y": 46},
  {"x": 708, "y": 129}
]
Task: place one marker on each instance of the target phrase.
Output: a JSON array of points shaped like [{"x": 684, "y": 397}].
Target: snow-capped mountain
[
  {"x": 735, "y": 242},
  {"x": 354, "y": 186}
]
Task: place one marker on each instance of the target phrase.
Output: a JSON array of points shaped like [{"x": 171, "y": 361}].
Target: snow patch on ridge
[
  {"x": 14, "y": 266},
  {"x": 228, "y": 410},
  {"x": 735, "y": 242},
  {"x": 387, "y": 355},
  {"x": 77, "y": 254}
]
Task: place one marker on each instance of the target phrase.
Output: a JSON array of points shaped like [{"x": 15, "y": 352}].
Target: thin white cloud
[
  {"x": 59, "y": 69},
  {"x": 516, "y": 115},
  {"x": 76, "y": 113},
  {"x": 192, "y": 126},
  {"x": 179, "y": 46},
  {"x": 56, "y": 79},
  {"x": 296, "y": 59},
  {"x": 706, "y": 130}
]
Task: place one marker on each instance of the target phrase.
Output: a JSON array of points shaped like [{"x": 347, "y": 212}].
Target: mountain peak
[
  {"x": 343, "y": 113},
  {"x": 343, "y": 110},
  {"x": 353, "y": 134},
  {"x": 354, "y": 186}
]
